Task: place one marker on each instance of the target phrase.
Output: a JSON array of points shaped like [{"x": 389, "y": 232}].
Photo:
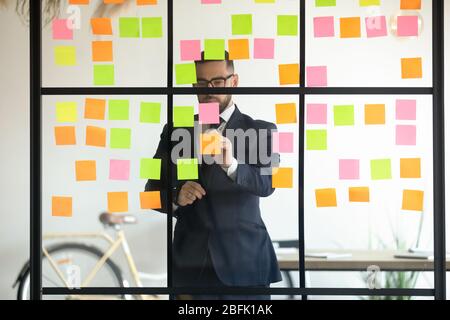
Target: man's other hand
[{"x": 189, "y": 192}]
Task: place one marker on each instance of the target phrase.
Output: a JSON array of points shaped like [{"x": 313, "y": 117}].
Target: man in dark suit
[{"x": 220, "y": 238}]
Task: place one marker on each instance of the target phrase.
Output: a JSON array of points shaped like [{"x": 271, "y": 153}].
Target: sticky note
[
  {"x": 412, "y": 200},
  {"x": 65, "y": 136},
  {"x": 410, "y": 168},
  {"x": 283, "y": 142},
  {"x": 350, "y": 27},
  {"x": 407, "y": 26},
  {"x": 344, "y": 115},
  {"x": 101, "y": 26},
  {"x": 120, "y": 138},
  {"x": 104, "y": 75},
  {"x": 102, "y": 51},
  {"x": 410, "y": 4},
  {"x": 326, "y": 198},
  {"x": 208, "y": 113},
  {"x": 146, "y": 2},
  {"x": 287, "y": 25},
  {"x": 210, "y": 143},
  {"x": 65, "y": 56},
  {"x": 324, "y": 27},
  {"x": 316, "y": 76},
  {"x": 264, "y": 1},
  {"x": 129, "y": 27},
  {"x": 367, "y": 3},
  {"x": 348, "y": 169},
  {"x": 150, "y": 112},
  {"x": 150, "y": 169},
  {"x": 190, "y": 50},
  {"x": 211, "y": 1},
  {"x": 61, "y": 206},
  {"x": 183, "y": 116},
  {"x": 358, "y": 194},
  {"x": 289, "y": 73},
  {"x": 374, "y": 114},
  {"x": 117, "y": 202},
  {"x": 79, "y": 2},
  {"x": 405, "y": 135},
  {"x": 187, "y": 169},
  {"x": 150, "y": 200},
  {"x": 152, "y": 27},
  {"x": 316, "y": 113},
  {"x": 118, "y": 109},
  {"x": 325, "y": 3},
  {"x": 376, "y": 26},
  {"x": 94, "y": 109},
  {"x": 286, "y": 113},
  {"x": 113, "y": 1},
  {"x": 186, "y": 73},
  {"x": 66, "y": 112},
  {"x": 263, "y": 48},
  {"x": 380, "y": 169},
  {"x": 405, "y": 109},
  {"x": 241, "y": 24},
  {"x": 95, "y": 136},
  {"x": 316, "y": 139},
  {"x": 119, "y": 169},
  {"x": 61, "y": 30},
  {"x": 214, "y": 49},
  {"x": 238, "y": 49},
  {"x": 411, "y": 68},
  {"x": 85, "y": 170},
  {"x": 282, "y": 177}
]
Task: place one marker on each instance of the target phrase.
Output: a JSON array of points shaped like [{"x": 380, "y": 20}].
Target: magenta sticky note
[
  {"x": 407, "y": 26},
  {"x": 405, "y": 109},
  {"x": 324, "y": 27},
  {"x": 119, "y": 169},
  {"x": 376, "y": 26},
  {"x": 348, "y": 169},
  {"x": 316, "y": 76},
  {"x": 264, "y": 48},
  {"x": 283, "y": 142},
  {"x": 61, "y": 30},
  {"x": 208, "y": 113},
  {"x": 405, "y": 135},
  {"x": 211, "y": 1},
  {"x": 190, "y": 50},
  {"x": 316, "y": 113}
]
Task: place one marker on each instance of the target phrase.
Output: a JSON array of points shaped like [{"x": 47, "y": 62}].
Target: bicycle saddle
[{"x": 117, "y": 219}]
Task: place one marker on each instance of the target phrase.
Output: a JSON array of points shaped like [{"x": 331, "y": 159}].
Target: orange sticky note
[
  {"x": 326, "y": 198},
  {"x": 102, "y": 51},
  {"x": 282, "y": 177},
  {"x": 375, "y": 114},
  {"x": 146, "y": 2},
  {"x": 410, "y": 4},
  {"x": 86, "y": 170},
  {"x": 94, "y": 109},
  {"x": 289, "y": 73},
  {"x": 412, "y": 200},
  {"x": 350, "y": 27},
  {"x": 210, "y": 143},
  {"x": 239, "y": 49},
  {"x": 410, "y": 168},
  {"x": 117, "y": 202},
  {"x": 101, "y": 26},
  {"x": 150, "y": 200},
  {"x": 62, "y": 206},
  {"x": 65, "y": 136},
  {"x": 358, "y": 194},
  {"x": 78, "y": 1},
  {"x": 95, "y": 136},
  {"x": 113, "y": 1},
  {"x": 286, "y": 113},
  {"x": 411, "y": 68}
]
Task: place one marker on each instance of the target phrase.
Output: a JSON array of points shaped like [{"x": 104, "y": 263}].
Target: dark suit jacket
[{"x": 227, "y": 221}]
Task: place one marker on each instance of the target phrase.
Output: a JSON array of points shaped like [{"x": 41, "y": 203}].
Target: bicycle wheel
[{"x": 66, "y": 256}]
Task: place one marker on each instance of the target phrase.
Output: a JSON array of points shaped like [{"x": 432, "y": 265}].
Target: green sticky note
[
  {"x": 150, "y": 169},
  {"x": 66, "y": 112},
  {"x": 120, "y": 138},
  {"x": 380, "y": 169},
  {"x": 241, "y": 24},
  {"x": 129, "y": 27},
  {"x": 344, "y": 115},
  {"x": 366, "y": 3},
  {"x": 214, "y": 49},
  {"x": 118, "y": 110},
  {"x": 152, "y": 27},
  {"x": 65, "y": 56},
  {"x": 104, "y": 75},
  {"x": 325, "y": 3},
  {"x": 287, "y": 25},
  {"x": 150, "y": 112},
  {"x": 186, "y": 73},
  {"x": 187, "y": 169},
  {"x": 183, "y": 116},
  {"x": 316, "y": 140}
]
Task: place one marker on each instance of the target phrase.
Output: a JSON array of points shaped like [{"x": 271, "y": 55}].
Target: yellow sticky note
[
  {"x": 411, "y": 68},
  {"x": 65, "y": 136},
  {"x": 326, "y": 198},
  {"x": 412, "y": 200},
  {"x": 239, "y": 49},
  {"x": 410, "y": 168},
  {"x": 289, "y": 74},
  {"x": 150, "y": 200},
  {"x": 66, "y": 112},
  {"x": 282, "y": 177},
  {"x": 375, "y": 114},
  {"x": 65, "y": 56},
  {"x": 117, "y": 202},
  {"x": 62, "y": 206},
  {"x": 358, "y": 194},
  {"x": 286, "y": 113},
  {"x": 86, "y": 170},
  {"x": 350, "y": 27}
]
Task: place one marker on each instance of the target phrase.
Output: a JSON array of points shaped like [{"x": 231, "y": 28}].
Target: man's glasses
[{"x": 215, "y": 82}]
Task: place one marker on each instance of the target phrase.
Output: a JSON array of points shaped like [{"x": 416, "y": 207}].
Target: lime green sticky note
[
  {"x": 214, "y": 49},
  {"x": 150, "y": 169},
  {"x": 316, "y": 139},
  {"x": 186, "y": 73},
  {"x": 344, "y": 115},
  {"x": 66, "y": 112},
  {"x": 152, "y": 27},
  {"x": 366, "y": 3},
  {"x": 187, "y": 169},
  {"x": 183, "y": 116},
  {"x": 150, "y": 112},
  {"x": 241, "y": 24},
  {"x": 120, "y": 138},
  {"x": 287, "y": 25},
  {"x": 129, "y": 27},
  {"x": 65, "y": 56},
  {"x": 118, "y": 109},
  {"x": 325, "y": 3},
  {"x": 380, "y": 169},
  {"x": 104, "y": 75}
]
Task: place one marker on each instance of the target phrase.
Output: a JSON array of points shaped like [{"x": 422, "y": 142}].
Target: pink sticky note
[
  {"x": 211, "y": 1},
  {"x": 316, "y": 76},
  {"x": 61, "y": 30},
  {"x": 405, "y": 110},
  {"x": 376, "y": 26},
  {"x": 190, "y": 50},
  {"x": 208, "y": 113},
  {"x": 119, "y": 169},
  {"x": 316, "y": 113},
  {"x": 406, "y": 135},
  {"x": 264, "y": 48},
  {"x": 348, "y": 169},
  {"x": 407, "y": 26},
  {"x": 283, "y": 142},
  {"x": 324, "y": 27}
]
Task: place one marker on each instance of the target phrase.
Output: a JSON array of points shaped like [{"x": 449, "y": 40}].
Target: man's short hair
[{"x": 230, "y": 63}]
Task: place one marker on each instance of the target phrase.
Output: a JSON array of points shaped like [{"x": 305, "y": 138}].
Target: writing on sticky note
[
  {"x": 129, "y": 27},
  {"x": 405, "y": 135},
  {"x": 405, "y": 109},
  {"x": 208, "y": 113},
  {"x": 326, "y": 197},
  {"x": 190, "y": 50},
  {"x": 316, "y": 76},
  {"x": 410, "y": 168},
  {"x": 101, "y": 26},
  {"x": 152, "y": 27},
  {"x": 95, "y": 136},
  {"x": 65, "y": 56},
  {"x": 358, "y": 194},
  {"x": 150, "y": 169},
  {"x": 348, "y": 169},
  {"x": 119, "y": 169},
  {"x": 316, "y": 113},
  {"x": 61, "y": 30},
  {"x": 94, "y": 109},
  {"x": 187, "y": 169},
  {"x": 183, "y": 116},
  {"x": 344, "y": 115},
  {"x": 241, "y": 24},
  {"x": 186, "y": 73},
  {"x": 289, "y": 73},
  {"x": 412, "y": 200},
  {"x": 150, "y": 112},
  {"x": 375, "y": 114},
  {"x": 324, "y": 27},
  {"x": 118, "y": 109},
  {"x": 104, "y": 75},
  {"x": 117, "y": 202},
  {"x": 263, "y": 48},
  {"x": 287, "y": 25},
  {"x": 316, "y": 139},
  {"x": 411, "y": 68},
  {"x": 238, "y": 49},
  {"x": 65, "y": 136},
  {"x": 120, "y": 138},
  {"x": 85, "y": 170},
  {"x": 210, "y": 143},
  {"x": 283, "y": 142},
  {"x": 407, "y": 26},
  {"x": 282, "y": 177},
  {"x": 150, "y": 200},
  {"x": 66, "y": 112},
  {"x": 380, "y": 169},
  {"x": 61, "y": 206},
  {"x": 214, "y": 49}
]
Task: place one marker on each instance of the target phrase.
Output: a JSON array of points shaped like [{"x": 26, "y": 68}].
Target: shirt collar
[{"x": 226, "y": 114}]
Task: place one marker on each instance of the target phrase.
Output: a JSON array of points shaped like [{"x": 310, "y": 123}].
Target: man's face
[{"x": 216, "y": 69}]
